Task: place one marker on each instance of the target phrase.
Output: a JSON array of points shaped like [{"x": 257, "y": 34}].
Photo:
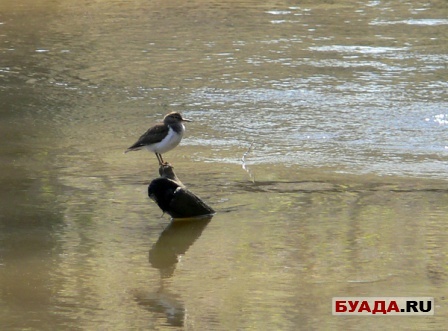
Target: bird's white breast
[{"x": 171, "y": 140}]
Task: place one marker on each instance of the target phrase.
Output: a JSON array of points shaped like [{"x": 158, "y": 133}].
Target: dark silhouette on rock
[{"x": 174, "y": 198}]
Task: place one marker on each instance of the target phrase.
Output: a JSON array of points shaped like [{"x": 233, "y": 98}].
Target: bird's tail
[{"x": 130, "y": 149}]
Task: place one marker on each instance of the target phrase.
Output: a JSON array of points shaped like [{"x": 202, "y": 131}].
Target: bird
[{"x": 162, "y": 137}]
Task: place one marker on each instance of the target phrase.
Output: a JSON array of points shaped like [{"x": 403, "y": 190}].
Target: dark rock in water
[
  {"x": 176, "y": 200},
  {"x": 166, "y": 170}
]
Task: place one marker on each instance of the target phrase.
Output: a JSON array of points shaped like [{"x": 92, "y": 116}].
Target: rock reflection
[{"x": 174, "y": 241}]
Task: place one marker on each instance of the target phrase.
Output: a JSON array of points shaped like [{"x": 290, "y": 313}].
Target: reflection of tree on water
[{"x": 173, "y": 241}]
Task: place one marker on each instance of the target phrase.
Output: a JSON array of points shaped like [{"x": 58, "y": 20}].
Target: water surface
[{"x": 345, "y": 192}]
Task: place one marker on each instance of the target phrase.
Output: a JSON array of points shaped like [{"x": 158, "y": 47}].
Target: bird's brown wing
[{"x": 152, "y": 136}]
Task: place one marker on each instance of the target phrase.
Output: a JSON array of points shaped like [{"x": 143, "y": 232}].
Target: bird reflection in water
[{"x": 173, "y": 242}]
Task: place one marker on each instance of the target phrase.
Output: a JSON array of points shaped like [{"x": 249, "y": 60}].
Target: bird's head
[{"x": 175, "y": 117}]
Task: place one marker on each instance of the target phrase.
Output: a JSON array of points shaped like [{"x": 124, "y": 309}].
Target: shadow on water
[{"x": 174, "y": 241}]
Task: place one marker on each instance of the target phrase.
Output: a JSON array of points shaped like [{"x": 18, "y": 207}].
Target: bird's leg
[
  {"x": 159, "y": 157},
  {"x": 163, "y": 162}
]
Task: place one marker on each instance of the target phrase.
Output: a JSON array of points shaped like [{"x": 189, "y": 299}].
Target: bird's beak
[{"x": 186, "y": 120}]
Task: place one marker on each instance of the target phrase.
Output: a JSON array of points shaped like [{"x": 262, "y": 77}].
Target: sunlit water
[{"x": 344, "y": 191}]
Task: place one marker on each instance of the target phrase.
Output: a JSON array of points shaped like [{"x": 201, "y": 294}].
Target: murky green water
[{"x": 346, "y": 194}]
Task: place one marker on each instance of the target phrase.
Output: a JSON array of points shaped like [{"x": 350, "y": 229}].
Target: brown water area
[{"x": 340, "y": 111}]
